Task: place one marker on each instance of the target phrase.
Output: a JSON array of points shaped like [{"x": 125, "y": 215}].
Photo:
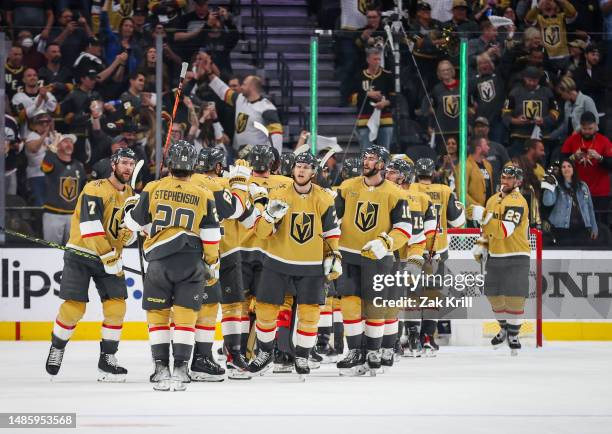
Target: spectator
[
  {"x": 373, "y": 96},
  {"x": 514, "y": 59},
  {"x": 446, "y": 163},
  {"x": 533, "y": 173},
  {"x": 427, "y": 39},
  {"x": 478, "y": 174},
  {"x": 488, "y": 94},
  {"x": 497, "y": 155},
  {"x": 30, "y": 14},
  {"x": 65, "y": 178},
  {"x": 12, "y": 147},
  {"x": 76, "y": 111},
  {"x": 591, "y": 77},
  {"x": 576, "y": 103},
  {"x": 460, "y": 23},
  {"x": 572, "y": 216},
  {"x": 352, "y": 17},
  {"x": 591, "y": 154},
  {"x": 442, "y": 10},
  {"x": 120, "y": 42},
  {"x": 55, "y": 75},
  {"x": 91, "y": 59},
  {"x": 72, "y": 35},
  {"x": 444, "y": 115},
  {"x": 33, "y": 98},
  {"x": 487, "y": 43},
  {"x": 32, "y": 58},
  {"x": 192, "y": 27},
  {"x": 135, "y": 99},
  {"x": 37, "y": 142},
  {"x": 529, "y": 108},
  {"x": 220, "y": 39},
  {"x": 576, "y": 49},
  {"x": 551, "y": 17},
  {"x": 14, "y": 71},
  {"x": 168, "y": 10},
  {"x": 374, "y": 29},
  {"x": 148, "y": 69},
  {"x": 206, "y": 131},
  {"x": 588, "y": 24}
]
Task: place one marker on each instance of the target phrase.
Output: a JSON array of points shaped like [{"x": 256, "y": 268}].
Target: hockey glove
[
  {"x": 258, "y": 194},
  {"x": 239, "y": 174},
  {"x": 480, "y": 249},
  {"x": 378, "y": 248},
  {"x": 127, "y": 237},
  {"x": 211, "y": 272},
  {"x": 129, "y": 204},
  {"x": 112, "y": 262},
  {"x": 275, "y": 210},
  {"x": 413, "y": 266},
  {"x": 332, "y": 265},
  {"x": 549, "y": 183},
  {"x": 430, "y": 266}
]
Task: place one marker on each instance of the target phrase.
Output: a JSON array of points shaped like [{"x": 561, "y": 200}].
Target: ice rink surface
[{"x": 562, "y": 388}]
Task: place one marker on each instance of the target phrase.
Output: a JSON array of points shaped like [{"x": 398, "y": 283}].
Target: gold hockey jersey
[
  {"x": 508, "y": 229},
  {"x": 295, "y": 245},
  {"x": 367, "y": 211},
  {"x": 423, "y": 223},
  {"x": 95, "y": 223},
  {"x": 444, "y": 208},
  {"x": 178, "y": 216}
]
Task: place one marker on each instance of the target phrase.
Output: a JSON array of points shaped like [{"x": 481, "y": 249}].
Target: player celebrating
[
  {"x": 302, "y": 251},
  {"x": 182, "y": 227},
  {"x": 505, "y": 240},
  {"x": 448, "y": 212},
  {"x": 96, "y": 228},
  {"x": 375, "y": 222}
]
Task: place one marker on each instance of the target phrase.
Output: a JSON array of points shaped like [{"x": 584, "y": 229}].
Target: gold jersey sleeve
[
  {"x": 508, "y": 228},
  {"x": 95, "y": 223},
  {"x": 423, "y": 223},
  {"x": 296, "y": 244},
  {"x": 367, "y": 211},
  {"x": 178, "y": 216}
]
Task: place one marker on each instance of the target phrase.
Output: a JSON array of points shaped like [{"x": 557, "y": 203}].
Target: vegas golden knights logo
[
  {"x": 366, "y": 215},
  {"x": 114, "y": 223},
  {"x": 552, "y": 35},
  {"x": 68, "y": 188},
  {"x": 362, "y": 5},
  {"x": 241, "y": 122},
  {"x": 302, "y": 226},
  {"x": 532, "y": 108},
  {"x": 486, "y": 89},
  {"x": 451, "y": 105}
]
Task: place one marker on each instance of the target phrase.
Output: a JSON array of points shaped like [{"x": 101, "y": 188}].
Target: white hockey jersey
[{"x": 353, "y": 15}]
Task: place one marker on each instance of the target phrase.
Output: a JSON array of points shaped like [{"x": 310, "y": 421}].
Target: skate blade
[
  {"x": 314, "y": 365},
  {"x": 262, "y": 372},
  {"x": 162, "y": 385},
  {"x": 355, "y": 371},
  {"x": 178, "y": 386},
  {"x": 498, "y": 346},
  {"x": 301, "y": 378},
  {"x": 240, "y": 375},
  {"x": 204, "y": 377},
  {"x": 280, "y": 369},
  {"x": 429, "y": 353},
  {"x": 105, "y": 377},
  {"x": 329, "y": 360},
  {"x": 513, "y": 352}
]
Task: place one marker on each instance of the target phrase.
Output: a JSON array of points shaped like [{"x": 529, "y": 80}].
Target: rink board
[{"x": 29, "y": 284}]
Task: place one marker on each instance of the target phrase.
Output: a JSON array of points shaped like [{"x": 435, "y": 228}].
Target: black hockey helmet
[
  {"x": 351, "y": 167},
  {"x": 123, "y": 153},
  {"x": 425, "y": 168},
  {"x": 287, "y": 161},
  {"x": 208, "y": 158},
  {"x": 261, "y": 158},
  {"x": 404, "y": 168},
  {"x": 382, "y": 153},
  {"x": 182, "y": 156},
  {"x": 307, "y": 158},
  {"x": 513, "y": 171}
]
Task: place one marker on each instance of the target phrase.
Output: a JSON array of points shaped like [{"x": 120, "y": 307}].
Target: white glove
[
  {"x": 112, "y": 262},
  {"x": 414, "y": 265},
  {"x": 211, "y": 272},
  {"x": 549, "y": 183},
  {"x": 378, "y": 248},
  {"x": 477, "y": 212},
  {"x": 332, "y": 266},
  {"x": 480, "y": 249},
  {"x": 275, "y": 210},
  {"x": 487, "y": 219},
  {"x": 130, "y": 203},
  {"x": 239, "y": 174},
  {"x": 258, "y": 194}
]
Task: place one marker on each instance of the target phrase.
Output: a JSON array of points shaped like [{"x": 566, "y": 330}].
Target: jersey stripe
[{"x": 91, "y": 229}]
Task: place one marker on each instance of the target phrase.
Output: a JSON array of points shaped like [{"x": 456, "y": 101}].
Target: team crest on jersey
[
  {"x": 552, "y": 35},
  {"x": 451, "y": 105},
  {"x": 302, "y": 226},
  {"x": 114, "y": 223},
  {"x": 366, "y": 215},
  {"x": 68, "y": 188},
  {"x": 486, "y": 90},
  {"x": 362, "y": 5},
  {"x": 532, "y": 108},
  {"x": 241, "y": 122}
]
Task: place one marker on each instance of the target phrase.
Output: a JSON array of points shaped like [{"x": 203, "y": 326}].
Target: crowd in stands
[{"x": 80, "y": 83}]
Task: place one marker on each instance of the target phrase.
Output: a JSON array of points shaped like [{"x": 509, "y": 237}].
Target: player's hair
[{"x": 181, "y": 173}]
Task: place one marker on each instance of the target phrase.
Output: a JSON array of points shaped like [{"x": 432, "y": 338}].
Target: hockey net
[{"x": 461, "y": 242}]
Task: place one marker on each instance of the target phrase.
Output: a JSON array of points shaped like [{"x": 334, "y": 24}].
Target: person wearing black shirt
[{"x": 55, "y": 74}]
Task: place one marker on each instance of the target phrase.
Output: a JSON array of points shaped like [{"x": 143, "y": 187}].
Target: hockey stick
[
  {"x": 60, "y": 247},
  {"x": 135, "y": 174},
  {"x": 177, "y": 98}
]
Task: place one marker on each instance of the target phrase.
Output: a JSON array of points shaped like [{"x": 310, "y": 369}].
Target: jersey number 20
[{"x": 167, "y": 216}]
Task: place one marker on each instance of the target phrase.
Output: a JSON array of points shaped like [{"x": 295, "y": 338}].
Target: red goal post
[{"x": 462, "y": 240}]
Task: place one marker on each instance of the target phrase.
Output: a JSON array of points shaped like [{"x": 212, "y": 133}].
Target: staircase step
[
  {"x": 272, "y": 56},
  {"x": 301, "y": 84},
  {"x": 279, "y": 21}
]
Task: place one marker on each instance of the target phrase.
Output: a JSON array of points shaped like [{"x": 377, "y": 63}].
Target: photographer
[
  {"x": 572, "y": 216},
  {"x": 72, "y": 35},
  {"x": 373, "y": 30}
]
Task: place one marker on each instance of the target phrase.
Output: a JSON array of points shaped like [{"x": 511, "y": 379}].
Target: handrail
[{"x": 261, "y": 33}]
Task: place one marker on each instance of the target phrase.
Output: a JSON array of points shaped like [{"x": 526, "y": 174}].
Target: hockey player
[
  {"x": 375, "y": 222},
  {"x": 448, "y": 212},
  {"x": 300, "y": 224},
  {"x": 231, "y": 201},
  {"x": 96, "y": 228},
  {"x": 411, "y": 256},
  {"x": 182, "y": 249},
  {"x": 505, "y": 241}
]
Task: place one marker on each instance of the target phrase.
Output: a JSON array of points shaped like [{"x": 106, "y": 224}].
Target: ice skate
[
  {"x": 283, "y": 362},
  {"x": 373, "y": 362},
  {"x": 261, "y": 364},
  {"x": 499, "y": 339},
  {"x": 328, "y": 354},
  {"x": 180, "y": 376},
  {"x": 237, "y": 367},
  {"x": 398, "y": 351},
  {"x": 514, "y": 344},
  {"x": 387, "y": 358},
  {"x": 205, "y": 368},
  {"x": 430, "y": 348},
  {"x": 414, "y": 348},
  {"x": 54, "y": 360},
  {"x": 161, "y": 377},
  {"x": 109, "y": 370},
  {"x": 314, "y": 359},
  {"x": 302, "y": 367},
  {"x": 353, "y": 364}
]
